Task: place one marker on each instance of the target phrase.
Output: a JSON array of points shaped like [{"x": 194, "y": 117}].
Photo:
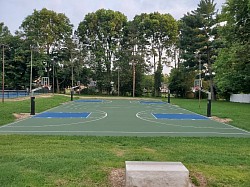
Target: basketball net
[
  {"x": 47, "y": 86},
  {"x": 196, "y": 88}
]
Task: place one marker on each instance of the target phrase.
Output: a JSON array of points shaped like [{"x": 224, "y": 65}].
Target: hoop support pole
[{"x": 32, "y": 105}]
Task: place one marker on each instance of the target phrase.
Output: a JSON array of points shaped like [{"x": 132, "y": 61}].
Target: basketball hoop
[
  {"x": 47, "y": 87},
  {"x": 45, "y": 81},
  {"x": 196, "y": 88},
  {"x": 197, "y": 85}
]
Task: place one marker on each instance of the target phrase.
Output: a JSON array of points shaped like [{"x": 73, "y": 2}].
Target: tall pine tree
[{"x": 199, "y": 35}]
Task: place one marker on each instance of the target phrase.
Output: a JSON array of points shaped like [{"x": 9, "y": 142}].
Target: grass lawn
[{"x": 29, "y": 160}]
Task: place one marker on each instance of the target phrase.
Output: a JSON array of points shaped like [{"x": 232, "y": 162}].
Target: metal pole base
[
  {"x": 209, "y": 108},
  {"x": 168, "y": 96},
  {"x": 71, "y": 94},
  {"x": 32, "y": 105}
]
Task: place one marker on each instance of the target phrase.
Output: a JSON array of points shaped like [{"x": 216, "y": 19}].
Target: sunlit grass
[{"x": 87, "y": 161}]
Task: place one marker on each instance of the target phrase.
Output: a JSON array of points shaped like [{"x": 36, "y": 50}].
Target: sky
[{"x": 13, "y": 12}]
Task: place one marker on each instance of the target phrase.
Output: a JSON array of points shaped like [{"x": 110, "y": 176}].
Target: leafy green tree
[
  {"x": 157, "y": 36},
  {"x": 232, "y": 70},
  {"x": 199, "y": 34},
  {"x": 233, "y": 64},
  {"x": 4, "y": 32},
  {"x": 102, "y": 32},
  {"x": 180, "y": 81},
  {"x": 47, "y": 29},
  {"x": 16, "y": 69},
  {"x": 133, "y": 55},
  {"x": 148, "y": 83},
  {"x": 161, "y": 31}
]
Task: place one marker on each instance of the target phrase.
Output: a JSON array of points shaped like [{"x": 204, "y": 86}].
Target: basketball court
[{"x": 100, "y": 117}]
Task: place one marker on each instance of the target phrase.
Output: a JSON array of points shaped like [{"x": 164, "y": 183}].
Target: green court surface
[{"x": 121, "y": 118}]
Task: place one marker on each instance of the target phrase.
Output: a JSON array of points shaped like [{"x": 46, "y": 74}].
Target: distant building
[
  {"x": 92, "y": 84},
  {"x": 164, "y": 88}
]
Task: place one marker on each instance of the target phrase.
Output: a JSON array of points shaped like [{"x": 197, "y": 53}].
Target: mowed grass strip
[{"x": 29, "y": 160}]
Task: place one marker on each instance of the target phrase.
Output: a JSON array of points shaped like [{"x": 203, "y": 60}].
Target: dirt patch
[
  {"x": 18, "y": 99},
  {"x": 45, "y": 95},
  {"x": 222, "y": 120},
  {"x": 21, "y": 115},
  {"x": 119, "y": 152},
  {"x": 117, "y": 177},
  {"x": 198, "y": 179},
  {"x": 149, "y": 150},
  {"x": 61, "y": 182},
  {"x": 28, "y": 97}
]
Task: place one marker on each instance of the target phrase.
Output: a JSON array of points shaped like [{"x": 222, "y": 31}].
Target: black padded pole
[
  {"x": 168, "y": 96},
  {"x": 32, "y": 105},
  {"x": 71, "y": 94},
  {"x": 209, "y": 105}
]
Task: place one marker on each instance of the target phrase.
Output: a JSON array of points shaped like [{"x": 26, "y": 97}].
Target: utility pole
[
  {"x": 118, "y": 81},
  {"x": 3, "y": 77},
  {"x": 31, "y": 69},
  {"x": 199, "y": 80},
  {"x": 72, "y": 70},
  {"x": 133, "y": 64}
]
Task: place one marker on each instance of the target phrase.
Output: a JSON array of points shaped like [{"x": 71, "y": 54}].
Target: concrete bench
[{"x": 156, "y": 174}]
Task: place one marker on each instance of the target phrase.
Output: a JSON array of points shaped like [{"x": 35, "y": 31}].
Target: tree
[
  {"x": 47, "y": 29},
  {"x": 159, "y": 35},
  {"x": 134, "y": 48},
  {"x": 102, "y": 32},
  {"x": 232, "y": 70},
  {"x": 4, "y": 32},
  {"x": 180, "y": 81},
  {"x": 199, "y": 34},
  {"x": 233, "y": 64}
]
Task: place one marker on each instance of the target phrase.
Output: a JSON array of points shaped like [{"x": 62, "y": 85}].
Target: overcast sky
[{"x": 13, "y": 12}]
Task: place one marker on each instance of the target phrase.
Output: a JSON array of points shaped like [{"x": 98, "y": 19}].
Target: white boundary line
[
  {"x": 152, "y": 115},
  {"x": 126, "y": 132},
  {"x": 205, "y": 118},
  {"x": 153, "y": 102},
  {"x": 9, "y": 124},
  {"x": 102, "y": 101},
  {"x": 88, "y": 115},
  {"x": 232, "y": 127},
  {"x": 63, "y": 124},
  {"x": 138, "y": 116},
  {"x": 220, "y": 122},
  {"x": 123, "y": 132},
  {"x": 65, "y": 117}
]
